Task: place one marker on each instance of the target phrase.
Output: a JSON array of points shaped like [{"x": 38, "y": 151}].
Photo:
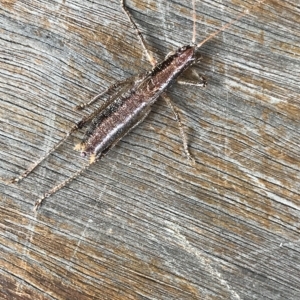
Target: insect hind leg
[
  {"x": 42, "y": 158},
  {"x": 93, "y": 160},
  {"x": 86, "y": 119},
  {"x": 61, "y": 185}
]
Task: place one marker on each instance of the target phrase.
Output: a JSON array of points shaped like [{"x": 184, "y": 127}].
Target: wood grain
[{"x": 143, "y": 223}]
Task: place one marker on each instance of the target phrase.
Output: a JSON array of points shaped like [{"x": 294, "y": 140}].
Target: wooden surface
[{"x": 142, "y": 223}]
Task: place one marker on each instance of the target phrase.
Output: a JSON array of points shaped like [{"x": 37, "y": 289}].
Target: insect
[{"x": 130, "y": 103}]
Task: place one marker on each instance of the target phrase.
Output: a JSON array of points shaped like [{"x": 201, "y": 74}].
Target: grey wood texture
[{"x": 143, "y": 223}]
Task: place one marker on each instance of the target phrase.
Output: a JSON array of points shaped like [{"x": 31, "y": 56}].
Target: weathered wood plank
[{"x": 142, "y": 223}]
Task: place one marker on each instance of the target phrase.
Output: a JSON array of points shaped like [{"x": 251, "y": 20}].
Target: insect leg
[
  {"x": 182, "y": 133},
  {"x": 114, "y": 86},
  {"x": 41, "y": 159},
  {"x": 75, "y": 127},
  {"x": 202, "y": 82},
  {"x": 61, "y": 185},
  {"x": 92, "y": 161},
  {"x": 139, "y": 34}
]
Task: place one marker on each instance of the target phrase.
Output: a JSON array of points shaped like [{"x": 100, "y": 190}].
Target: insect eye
[{"x": 182, "y": 49}]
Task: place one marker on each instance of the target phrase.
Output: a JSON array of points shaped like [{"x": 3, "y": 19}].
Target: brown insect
[{"x": 126, "y": 109}]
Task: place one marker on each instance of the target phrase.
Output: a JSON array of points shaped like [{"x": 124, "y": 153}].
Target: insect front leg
[
  {"x": 199, "y": 81},
  {"x": 182, "y": 133}
]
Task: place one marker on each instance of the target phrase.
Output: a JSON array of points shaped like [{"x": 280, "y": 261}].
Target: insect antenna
[
  {"x": 194, "y": 23},
  {"x": 227, "y": 25}
]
